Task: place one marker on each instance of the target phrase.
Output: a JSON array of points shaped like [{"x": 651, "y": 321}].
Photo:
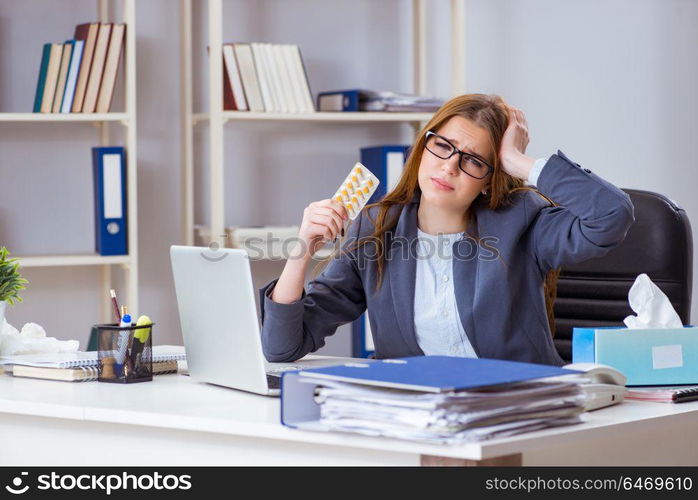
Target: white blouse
[{"x": 437, "y": 322}]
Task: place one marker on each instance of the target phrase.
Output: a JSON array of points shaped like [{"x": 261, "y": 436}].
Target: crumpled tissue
[
  {"x": 652, "y": 307},
  {"x": 31, "y": 340}
]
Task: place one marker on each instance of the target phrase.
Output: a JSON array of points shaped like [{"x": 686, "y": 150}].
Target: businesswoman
[{"x": 456, "y": 259}]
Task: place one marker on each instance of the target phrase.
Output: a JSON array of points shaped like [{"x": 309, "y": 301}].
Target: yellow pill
[
  {"x": 354, "y": 200},
  {"x": 370, "y": 183},
  {"x": 366, "y": 190},
  {"x": 338, "y": 198},
  {"x": 344, "y": 193},
  {"x": 355, "y": 179}
]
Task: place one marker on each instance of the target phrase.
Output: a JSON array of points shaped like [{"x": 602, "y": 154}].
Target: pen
[
  {"x": 114, "y": 303},
  {"x": 122, "y": 342}
]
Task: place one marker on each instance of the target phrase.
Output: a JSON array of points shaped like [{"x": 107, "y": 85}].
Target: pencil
[{"x": 112, "y": 292}]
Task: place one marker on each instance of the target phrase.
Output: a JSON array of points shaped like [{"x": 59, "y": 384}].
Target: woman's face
[{"x": 442, "y": 183}]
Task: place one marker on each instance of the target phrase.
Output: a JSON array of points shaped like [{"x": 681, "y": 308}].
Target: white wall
[{"x": 608, "y": 82}]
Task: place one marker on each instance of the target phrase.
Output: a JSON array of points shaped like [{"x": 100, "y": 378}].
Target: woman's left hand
[{"x": 514, "y": 142}]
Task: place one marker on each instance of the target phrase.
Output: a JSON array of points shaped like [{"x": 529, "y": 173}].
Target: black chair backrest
[{"x": 595, "y": 292}]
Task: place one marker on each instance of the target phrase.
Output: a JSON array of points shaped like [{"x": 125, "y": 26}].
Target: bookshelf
[
  {"x": 128, "y": 264},
  {"x": 216, "y": 118},
  {"x": 65, "y": 117}
]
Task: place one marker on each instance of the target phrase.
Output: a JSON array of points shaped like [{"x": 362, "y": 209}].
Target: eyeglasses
[{"x": 469, "y": 163}]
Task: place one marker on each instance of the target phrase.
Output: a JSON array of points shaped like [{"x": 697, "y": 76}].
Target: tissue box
[{"x": 654, "y": 356}]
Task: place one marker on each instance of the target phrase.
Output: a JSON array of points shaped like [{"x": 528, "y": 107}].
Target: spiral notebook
[
  {"x": 80, "y": 374},
  {"x": 668, "y": 394},
  {"x": 81, "y": 359}
]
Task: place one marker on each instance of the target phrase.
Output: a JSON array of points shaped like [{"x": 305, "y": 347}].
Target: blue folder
[
  {"x": 385, "y": 162},
  {"x": 436, "y": 373},
  {"x": 339, "y": 100},
  {"x": 111, "y": 222}
]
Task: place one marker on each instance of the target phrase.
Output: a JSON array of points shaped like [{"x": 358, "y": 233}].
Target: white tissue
[
  {"x": 653, "y": 308},
  {"x": 34, "y": 331},
  {"x": 31, "y": 340}
]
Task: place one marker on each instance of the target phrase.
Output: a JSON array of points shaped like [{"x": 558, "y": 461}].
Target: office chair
[{"x": 595, "y": 292}]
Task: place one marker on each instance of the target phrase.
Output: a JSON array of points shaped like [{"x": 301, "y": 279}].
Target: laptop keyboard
[{"x": 273, "y": 381}]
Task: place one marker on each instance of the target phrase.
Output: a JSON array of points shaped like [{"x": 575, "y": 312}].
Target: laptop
[{"x": 219, "y": 322}]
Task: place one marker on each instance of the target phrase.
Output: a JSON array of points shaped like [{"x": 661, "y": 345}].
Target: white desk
[{"x": 174, "y": 421}]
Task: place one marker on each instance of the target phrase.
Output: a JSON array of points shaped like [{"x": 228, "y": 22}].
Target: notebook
[
  {"x": 80, "y": 374},
  {"x": 665, "y": 394},
  {"x": 81, "y": 358}
]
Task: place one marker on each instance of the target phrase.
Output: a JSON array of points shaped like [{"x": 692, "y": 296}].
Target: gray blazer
[{"x": 498, "y": 283}]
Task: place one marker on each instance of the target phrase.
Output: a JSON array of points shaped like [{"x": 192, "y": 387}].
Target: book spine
[
  {"x": 45, "y": 56},
  {"x": 72, "y": 76}
]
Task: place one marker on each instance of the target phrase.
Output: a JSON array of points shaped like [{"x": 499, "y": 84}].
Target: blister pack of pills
[{"x": 356, "y": 189}]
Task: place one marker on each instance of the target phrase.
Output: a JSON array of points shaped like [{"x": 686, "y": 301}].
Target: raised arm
[
  {"x": 593, "y": 215},
  {"x": 296, "y": 322}
]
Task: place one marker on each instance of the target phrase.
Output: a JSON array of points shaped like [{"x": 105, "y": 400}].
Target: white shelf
[
  {"x": 321, "y": 116},
  {"x": 63, "y": 117},
  {"x": 72, "y": 260}
]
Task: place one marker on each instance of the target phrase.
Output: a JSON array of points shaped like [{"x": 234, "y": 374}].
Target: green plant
[{"x": 11, "y": 282}]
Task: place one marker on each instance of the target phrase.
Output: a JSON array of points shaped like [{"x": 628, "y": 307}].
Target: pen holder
[{"x": 125, "y": 353}]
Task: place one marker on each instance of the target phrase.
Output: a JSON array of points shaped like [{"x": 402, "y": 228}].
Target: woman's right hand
[{"x": 322, "y": 221}]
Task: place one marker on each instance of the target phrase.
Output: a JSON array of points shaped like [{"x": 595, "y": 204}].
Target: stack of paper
[
  {"x": 438, "y": 399},
  {"x": 394, "y": 101},
  {"x": 453, "y": 417}
]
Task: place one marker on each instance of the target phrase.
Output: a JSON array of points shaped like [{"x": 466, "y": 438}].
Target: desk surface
[{"x": 177, "y": 402}]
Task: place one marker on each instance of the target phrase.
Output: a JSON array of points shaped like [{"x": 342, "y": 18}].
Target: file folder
[
  {"x": 111, "y": 223},
  {"x": 339, "y": 100},
  {"x": 362, "y": 338},
  {"x": 387, "y": 163}
]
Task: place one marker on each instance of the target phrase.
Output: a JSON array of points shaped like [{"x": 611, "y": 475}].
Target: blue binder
[
  {"x": 362, "y": 339},
  {"x": 436, "y": 373},
  {"x": 386, "y": 162},
  {"x": 339, "y": 100},
  {"x": 111, "y": 224}
]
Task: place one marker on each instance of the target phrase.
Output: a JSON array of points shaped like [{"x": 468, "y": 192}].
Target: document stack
[
  {"x": 394, "y": 101},
  {"x": 436, "y": 399}
]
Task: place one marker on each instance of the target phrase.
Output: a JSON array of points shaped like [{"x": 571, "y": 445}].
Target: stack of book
[
  {"x": 81, "y": 366},
  {"x": 265, "y": 77},
  {"x": 436, "y": 399},
  {"x": 79, "y": 75}
]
